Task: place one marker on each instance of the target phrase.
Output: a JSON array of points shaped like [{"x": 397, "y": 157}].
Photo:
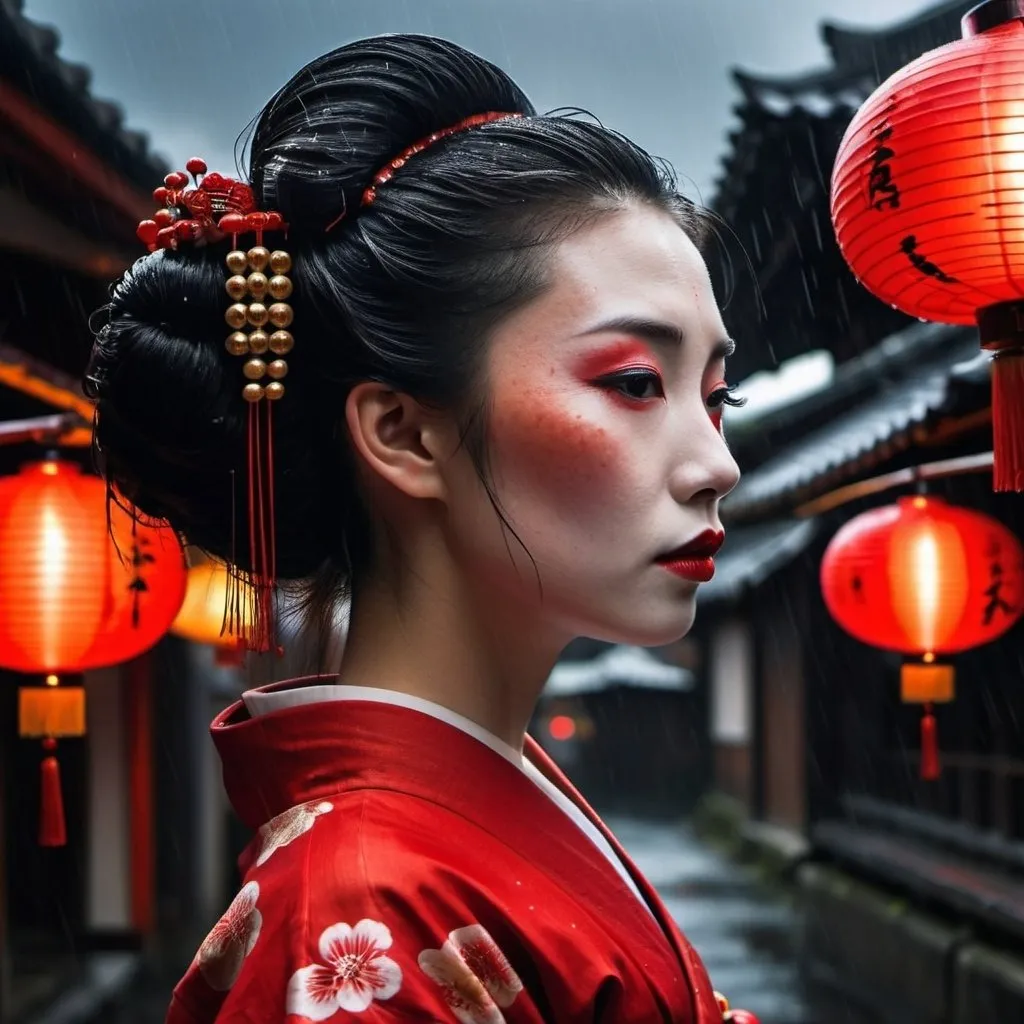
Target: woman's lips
[{"x": 700, "y": 570}]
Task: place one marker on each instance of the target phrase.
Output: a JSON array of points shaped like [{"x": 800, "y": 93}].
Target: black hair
[{"x": 402, "y": 291}]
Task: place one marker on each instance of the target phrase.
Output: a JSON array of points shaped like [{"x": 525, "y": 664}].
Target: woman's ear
[{"x": 399, "y": 439}]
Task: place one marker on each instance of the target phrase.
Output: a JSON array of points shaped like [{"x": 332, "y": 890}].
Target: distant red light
[{"x": 562, "y": 727}]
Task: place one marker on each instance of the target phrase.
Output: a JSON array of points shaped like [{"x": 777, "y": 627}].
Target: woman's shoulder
[
  {"x": 354, "y": 902},
  {"x": 369, "y": 829}
]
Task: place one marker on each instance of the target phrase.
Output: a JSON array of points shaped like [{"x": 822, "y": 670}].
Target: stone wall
[{"x": 895, "y": 962}]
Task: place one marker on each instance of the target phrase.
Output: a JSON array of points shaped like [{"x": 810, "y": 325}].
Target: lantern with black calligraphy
[
  {"x": 928, "y": 201},
  {"x": 147, "y": 581},
  {"x": 72, "y": 599},
  {"x": 928, "y": 580}
]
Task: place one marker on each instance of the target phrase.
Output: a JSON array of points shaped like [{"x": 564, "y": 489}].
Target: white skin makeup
[{"x": 605, "y": 452}]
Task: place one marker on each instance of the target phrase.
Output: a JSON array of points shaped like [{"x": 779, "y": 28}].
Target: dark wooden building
[
  {"x": 144, "y": 810},
  {"x": 912, "y": 889}
]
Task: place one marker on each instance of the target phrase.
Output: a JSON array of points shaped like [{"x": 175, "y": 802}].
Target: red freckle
[
  {"x": 558, "y": 451},
  {"x": 614, "y": 357}
]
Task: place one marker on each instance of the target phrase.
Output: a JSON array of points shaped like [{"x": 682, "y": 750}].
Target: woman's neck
[{"x": 447, "y": 642}]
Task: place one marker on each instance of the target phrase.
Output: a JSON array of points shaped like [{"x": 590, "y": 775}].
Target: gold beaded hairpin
[
  {"x": 257, "y": 315},
  {"x": 218, "y": 207}
]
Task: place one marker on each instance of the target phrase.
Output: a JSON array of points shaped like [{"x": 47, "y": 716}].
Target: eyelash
[
  {"x": 619, "y": 381},
  {"x": 724, "y": 396}
]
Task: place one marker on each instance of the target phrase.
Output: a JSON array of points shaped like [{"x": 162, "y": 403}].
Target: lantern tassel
[
  {"x": 52, "y": 826},
  {"x": 929, "y": 746},
  {"x": 1008, "y": 420}
]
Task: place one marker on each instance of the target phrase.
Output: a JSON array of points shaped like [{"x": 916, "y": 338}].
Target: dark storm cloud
[{"x": 192, "y": 75}]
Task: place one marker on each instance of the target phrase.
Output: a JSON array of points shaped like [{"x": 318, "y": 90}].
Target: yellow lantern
[{"x": 203, "y": 617}]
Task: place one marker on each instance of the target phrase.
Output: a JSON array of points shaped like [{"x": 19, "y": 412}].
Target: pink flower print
[
  {"x": 288, "y": 826},
  {"x": 475, "y": 976},
  {"x": 221, "y": 955},
  {"x": 355, "y": 972}
]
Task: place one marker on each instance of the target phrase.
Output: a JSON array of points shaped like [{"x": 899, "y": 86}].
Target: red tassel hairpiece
[{"x": 218, "y": 207}]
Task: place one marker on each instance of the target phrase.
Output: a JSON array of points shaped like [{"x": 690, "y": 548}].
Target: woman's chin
[{"x": 658, "y": 627}]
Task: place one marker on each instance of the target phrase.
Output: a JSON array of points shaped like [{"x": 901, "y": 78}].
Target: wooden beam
[
  {"x": 101, "y": 180},
  {"x": 53, "y": 429},
  {"x": 37, "y": 379},
  {"x": 960, "y": 466},
  {"x": 28, "y": 229}
]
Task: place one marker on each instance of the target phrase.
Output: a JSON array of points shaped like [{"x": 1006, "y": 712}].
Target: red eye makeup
[{"x": 621, "y": 355}]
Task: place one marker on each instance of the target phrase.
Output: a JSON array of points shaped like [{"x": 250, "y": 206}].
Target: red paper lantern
[
  {"x": 54, "y": 567},
  {"x": 928, "y": 201},
  {"x": 70, "y": 598},
  {"x": 148, "y": 576},
  {"x": 925, "y": 579}
]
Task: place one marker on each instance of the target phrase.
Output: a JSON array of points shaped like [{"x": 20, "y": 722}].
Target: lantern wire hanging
[{"x": 928, "y": 201}]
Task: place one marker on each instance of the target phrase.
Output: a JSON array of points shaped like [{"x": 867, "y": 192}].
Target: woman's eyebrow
[{"x": 656, "y": 331}]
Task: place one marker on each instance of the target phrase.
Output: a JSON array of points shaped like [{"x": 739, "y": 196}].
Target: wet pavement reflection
[{"x": 746, "y": 933}]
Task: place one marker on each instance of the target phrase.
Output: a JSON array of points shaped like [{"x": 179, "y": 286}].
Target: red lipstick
[{"x": 694, "y": 560}]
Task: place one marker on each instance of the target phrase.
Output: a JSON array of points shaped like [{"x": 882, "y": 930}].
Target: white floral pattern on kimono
[
  {"x": 354, "y": 973},
  {"x": 287, "y": 827},
  {"x": 232, "y": 939},
  {"x": 475, "y": 976}
]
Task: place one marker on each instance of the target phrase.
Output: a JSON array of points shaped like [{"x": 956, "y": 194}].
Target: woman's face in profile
[{"x": 604, "y": 437}]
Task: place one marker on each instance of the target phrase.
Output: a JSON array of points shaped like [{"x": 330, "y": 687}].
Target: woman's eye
[
  {"x": 638, "y": 384},
  {"x": 724, "y": 395}
]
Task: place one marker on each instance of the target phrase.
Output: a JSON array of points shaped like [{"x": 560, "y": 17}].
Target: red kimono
[{"x": 404, "y": 871}]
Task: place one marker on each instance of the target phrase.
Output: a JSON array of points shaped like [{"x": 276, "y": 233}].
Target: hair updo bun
[
  {"x": 321, "y": 139},
  {"x": 403, "y": 291}
]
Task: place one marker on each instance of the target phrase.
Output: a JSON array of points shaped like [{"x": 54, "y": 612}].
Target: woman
[{"x": 501, "y": 431}]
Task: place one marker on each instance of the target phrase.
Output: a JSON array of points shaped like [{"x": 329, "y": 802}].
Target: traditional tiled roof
[
  {"x": 754, "y": 553},
  {"x": 917, "y": 384},
  {"x": 891, "y": 46},
  {"x": 861, "y": 59},
  {"x": 30, "y": 62},
  {"x": 794, "y": 291}
]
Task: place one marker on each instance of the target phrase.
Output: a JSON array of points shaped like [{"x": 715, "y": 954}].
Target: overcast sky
[{"x": 193, "y": 73}]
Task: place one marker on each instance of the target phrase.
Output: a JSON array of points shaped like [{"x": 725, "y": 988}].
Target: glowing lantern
[
  {"x": 562, "y": 727},
  {"x": 69, "y": 601},
  {"x": 925, "y": 579},
  {"x": 72, "y": 599},
  {"x": 54, "y": 563},
  {"x": 147, "y": 580},
  {"x": 928, "y": 201},
  {"x": 203, "y": 617}
]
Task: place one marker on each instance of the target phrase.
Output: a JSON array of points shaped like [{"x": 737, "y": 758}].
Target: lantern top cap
[{"x": 989, "y": 15}]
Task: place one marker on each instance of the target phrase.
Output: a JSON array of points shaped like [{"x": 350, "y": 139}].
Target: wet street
[{"x": 744, "y": 932}]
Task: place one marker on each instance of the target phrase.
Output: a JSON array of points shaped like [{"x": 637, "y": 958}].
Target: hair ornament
[
  {"x": 213, "y": 209},
  {"x": 387, "y": 172}
]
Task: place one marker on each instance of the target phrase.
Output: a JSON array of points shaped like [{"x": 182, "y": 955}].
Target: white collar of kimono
[{"x": 260, "y": 702}]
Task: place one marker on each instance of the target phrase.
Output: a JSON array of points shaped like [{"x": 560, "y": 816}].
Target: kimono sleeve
[{"x": 343, "y": 922}]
